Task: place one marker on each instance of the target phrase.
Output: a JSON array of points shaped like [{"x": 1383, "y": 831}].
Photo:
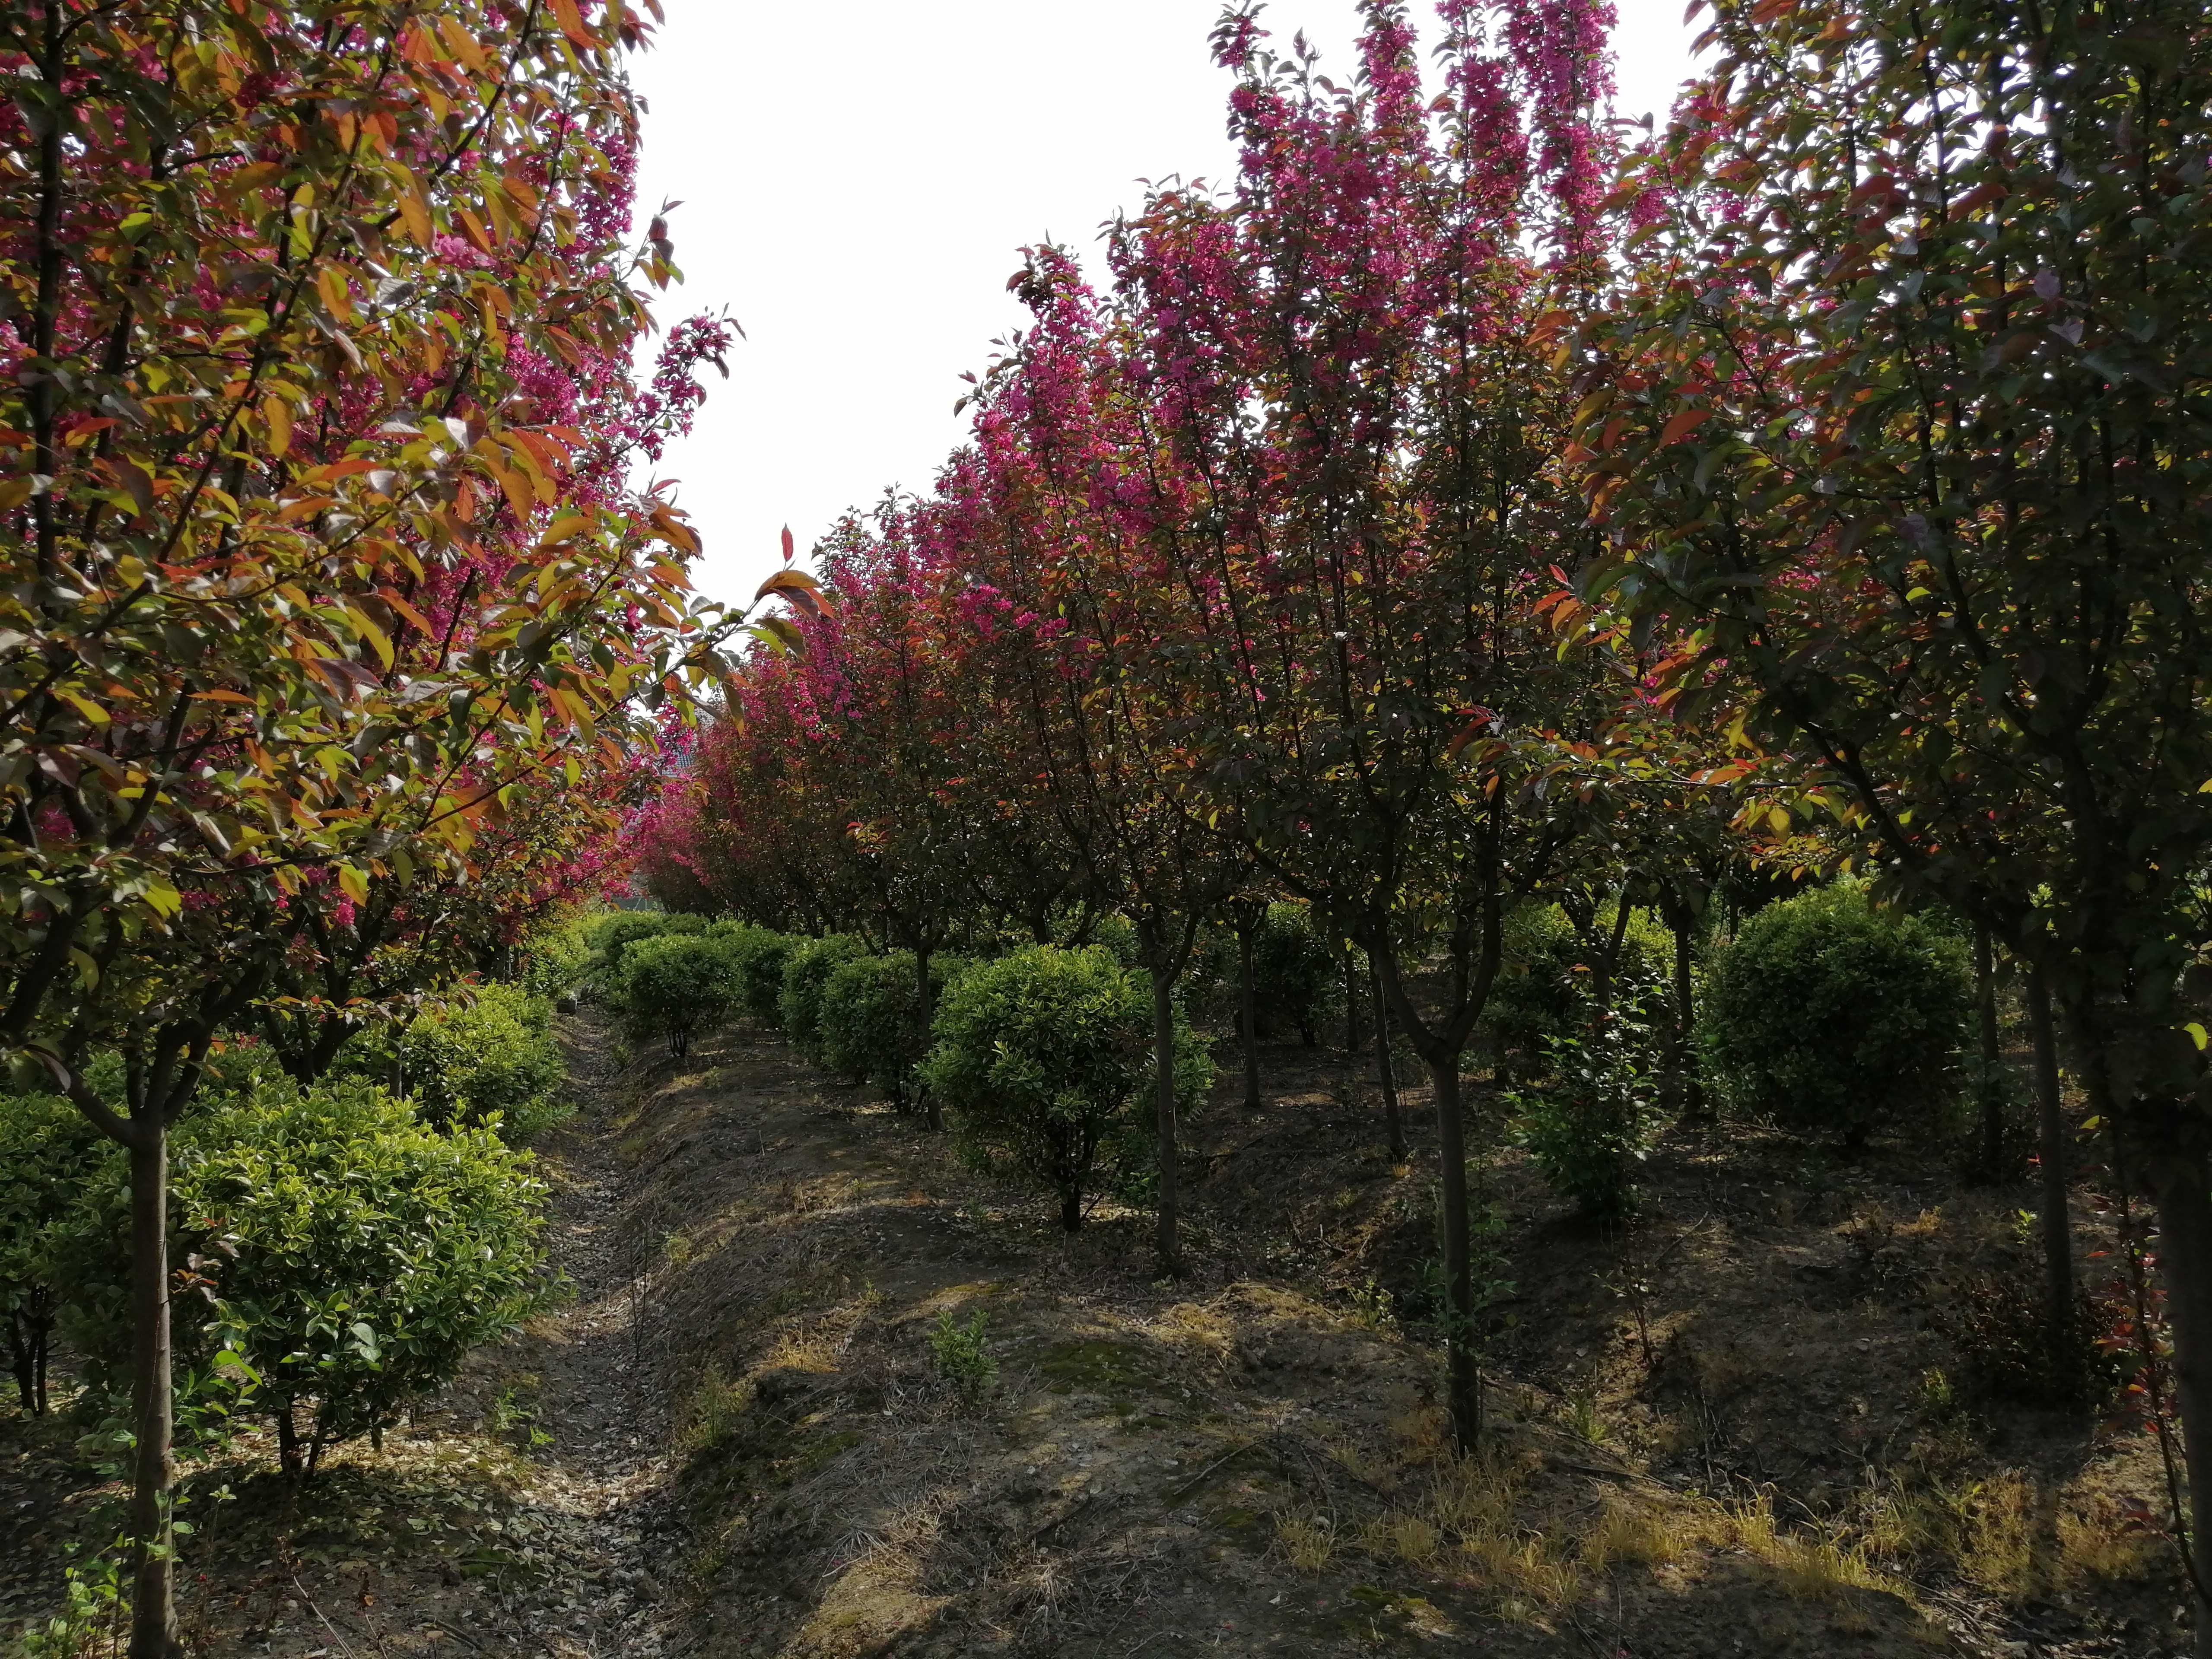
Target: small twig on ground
[
  {"x": 344, "y": 1645},
  {"x": 1198, "y": 1480},
  {"x": 1147, "y": 1642},
  {"x": 460, "y": 1636},
  {"x": 1064, "y": 1516}
]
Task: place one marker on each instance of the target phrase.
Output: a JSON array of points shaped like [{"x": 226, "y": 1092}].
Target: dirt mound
[{"x": 822, "y": 1393}]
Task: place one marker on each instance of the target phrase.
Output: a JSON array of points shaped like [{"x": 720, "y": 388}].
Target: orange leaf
[
  {"x": 474, "y": 228},
  {"x": 572, "y": 24},
  {"x": 1685, "y": 423},
  {"x": 515, "y": 487},
  {"x": 414, "y": 208}
]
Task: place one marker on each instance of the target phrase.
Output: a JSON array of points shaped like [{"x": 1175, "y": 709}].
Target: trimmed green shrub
[
  {"x": 1590, "y": 1125},
  {"x": 1542, "y": 991},
  {"x": 610, "y": 937},
  {"x": 48, "y": 1149},
  {"x": 1297, "y": 978},
  {"x": 758, "y": 954},
  {"x": 491, "y": 1055},
  {"x": 332, "y": 1297},
  {"x": 1043, "y": 1055},
  {"x": 553, "y": 960},
  {"x": 350, "y": 1256},
  {"x": 675, "y": 984},
  {"x": 869, "y": 1018},
  {"x": 1826, "y": 1013},
  {"x": 807, "y": 970}
]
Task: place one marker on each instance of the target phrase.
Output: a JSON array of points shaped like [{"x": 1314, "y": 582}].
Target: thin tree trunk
[
  {"x": 153, "y": 1632},
  {"x": 288, "y": 1441},
  {"x": 1986, "y": 993},
  {"x": 1351, "y": 1032},
  {"x": 1393, "y": 1120},
  {"x": 1691, "y": 1088},
  {"x": 924, "y": 1000},
  {"x": 23, "y": 1337},
  {"x": 1463, "y": 1389},
  {"x": 1601, "y": 985},
  {"x": 1248, "y": 1010},
  {"x": 2185, "y": 1259},
  {"x": 2052, "y": 1149},
  {"x": 1071, "y": 1210},
  {"x": 1169, "y": 1248},
  {"x": 2177, "y": 1179}
]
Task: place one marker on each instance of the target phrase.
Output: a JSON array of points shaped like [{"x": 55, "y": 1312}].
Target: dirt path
[{"x": 514, "y": 1517}]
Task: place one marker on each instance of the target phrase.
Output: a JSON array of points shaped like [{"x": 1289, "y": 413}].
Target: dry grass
[
  {"x": 711, "y": 1411},
  {"x": 2099, "y": 1544},
  {"x": 1996, "y": 1537},
  {"x": 1526, "y": 1567},
  {"x": 1822, "y": 1568},
  {"x": 1308, "y": 1538},
  {"x": 1200, "y": 1330},
  {"x": 801, "y": 1349},
  {"x": 1631, "y": 1533},
  {"x": 1413, "y": 1539},
  {"x": 1524, "y": 1578},
  {"x": 2008, "y": 1538},
  {"x": 1475, "y": 1497}
]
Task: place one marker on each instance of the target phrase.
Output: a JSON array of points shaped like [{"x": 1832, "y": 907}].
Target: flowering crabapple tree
[
  {"x": 313, "y": 457},
  {"x": 1353, "y": 418},
  {"x": 1894, "y": 426},
  {"x": 1063, "y": 562}
]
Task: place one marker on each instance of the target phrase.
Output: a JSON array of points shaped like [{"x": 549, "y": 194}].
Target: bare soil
[{"x": 1737, "y": 1426}]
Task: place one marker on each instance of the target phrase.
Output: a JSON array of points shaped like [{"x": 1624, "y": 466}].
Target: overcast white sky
[{"x": 857, "y": 178}]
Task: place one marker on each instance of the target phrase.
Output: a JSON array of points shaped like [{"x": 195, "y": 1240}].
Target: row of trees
[
  {"x": 335, "y": 623},
  {"x": 1462, "y": 507},
  {"x": 1235, "y": 592}
]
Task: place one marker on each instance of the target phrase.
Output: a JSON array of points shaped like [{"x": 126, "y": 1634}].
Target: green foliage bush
[
  {"x": 610, "y": 937},
  {"x": 675, "y": 984},
  {"x": 1828, "y": 1014},
  {"x": 372, "y": 1252},
  {"x": 347, "y": 1254},
  {"x": 1297, "y": 976},
  {"x": 1042, "y": 1056},
  {"x": 1209, "y": 978},
  {"x": 869, "y": 1018},
  {"x": 48, "y": 1149},
  {"x": 1590, "y": 1124},
  {"x": 758, "y": 954},
  {"x": 1542, "y": 991},
  {"x": 488, "y": 1054},
  {"x": 1075, "y": 927},
  {"x": 554, "y": 959},
  {"x": 807, "y": 970}
]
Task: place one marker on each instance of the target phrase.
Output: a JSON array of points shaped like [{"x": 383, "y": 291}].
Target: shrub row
[
  {"x": 1823, "y": 1013},
  {"x": 347, "y": 1252},
  {"x": 1041, "y": 1058}
]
